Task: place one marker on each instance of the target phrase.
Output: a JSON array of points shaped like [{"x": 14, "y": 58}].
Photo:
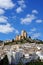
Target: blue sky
[{"x": 17, "y": 15}]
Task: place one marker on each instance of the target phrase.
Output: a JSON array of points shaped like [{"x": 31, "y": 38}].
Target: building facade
[{"x": 22, "y": 36}]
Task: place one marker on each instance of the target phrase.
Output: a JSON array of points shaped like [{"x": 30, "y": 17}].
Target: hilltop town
[
  {"x": 22, "y": 38},
  {"x": 22, "y": 49}
]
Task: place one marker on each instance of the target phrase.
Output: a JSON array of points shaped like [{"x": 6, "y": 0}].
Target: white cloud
[
  {"x": 35, "y": 11},
  {"x": 3, "y": 19},
  {"x": 2, "y": 11},
  {"x": 39, "y": 21},
  {"x": 6, "y": 28},
  {"x": 36, "y": 35},
  {"x": 22, "y": 3},
  {"x": 16, "y": 31},
  {"x": 19, "y": 9},
  {"x": 28, "y": 19},
  {"x": 33, "y": 29},
  {"x": 30, "y": 32},
  {"x": 6, "y": 4}
]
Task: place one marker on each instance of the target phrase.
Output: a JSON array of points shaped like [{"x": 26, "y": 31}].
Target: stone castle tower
[{"x": 22, "y": 36}]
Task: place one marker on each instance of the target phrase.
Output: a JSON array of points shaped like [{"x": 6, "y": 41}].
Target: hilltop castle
[{"x": 22, "y": 36}]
